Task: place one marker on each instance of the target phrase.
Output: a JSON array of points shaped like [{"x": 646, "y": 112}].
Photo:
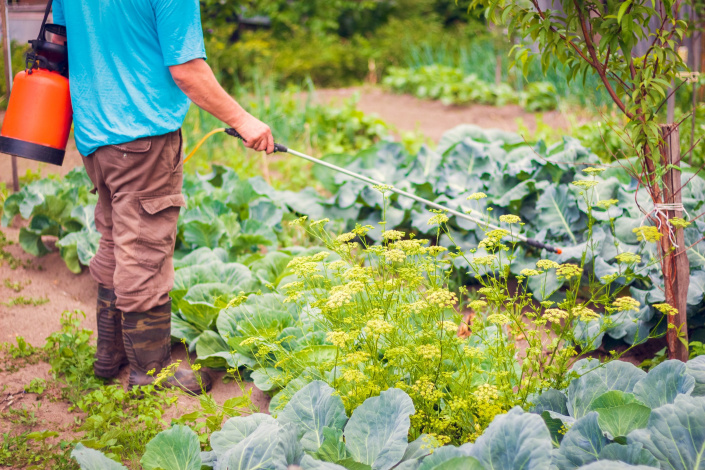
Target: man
[{"x": 133, "y": 66}]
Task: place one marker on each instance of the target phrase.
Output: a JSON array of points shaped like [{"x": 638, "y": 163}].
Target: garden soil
[{"x": 48, "y": 278}]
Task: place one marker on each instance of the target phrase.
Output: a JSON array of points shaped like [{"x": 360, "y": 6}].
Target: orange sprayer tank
[
  {"x": 39, "y": 114},
  {"x": 38, "y": 118}
]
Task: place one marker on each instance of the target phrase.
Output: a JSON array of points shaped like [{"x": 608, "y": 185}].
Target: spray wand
[{"x": 281, "y": 148}]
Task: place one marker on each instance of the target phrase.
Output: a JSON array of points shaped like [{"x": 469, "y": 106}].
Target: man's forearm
[{"x": 196, "y": 80}]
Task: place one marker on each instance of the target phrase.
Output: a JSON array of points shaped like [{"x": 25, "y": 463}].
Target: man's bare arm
[{"x": 196, "y": 80}]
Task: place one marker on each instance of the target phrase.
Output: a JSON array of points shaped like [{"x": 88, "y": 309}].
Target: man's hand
[
  {"x": 196, "y": 80},
  {"x": 255, "y": 133}
]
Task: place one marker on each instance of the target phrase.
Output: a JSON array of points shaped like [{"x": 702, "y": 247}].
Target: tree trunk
[{"x": 674, "y": 263}]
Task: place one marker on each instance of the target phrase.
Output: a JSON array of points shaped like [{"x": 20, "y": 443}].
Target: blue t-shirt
[{"x": 119, "y": 54}]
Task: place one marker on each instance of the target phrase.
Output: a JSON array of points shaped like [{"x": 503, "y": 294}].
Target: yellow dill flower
[
  {"x": 399, "y": 351},
  {"x": 546, "y": 264},
  {"x": 593, "y": 170},
  {"x": 337, "y": 265},
  {"x": 555, "y": 315},
  {"x": 606, "y": 203},
  {"x": 666, "y": 309},
  {"x": 497, "y": 234},
  {"x": 438, "y": 219},
  {"x": 530, "y": 272},
  {"x": 418, "y": 306},
  {"x": 628, "y": 258},
  {"x": 679, "y": 222},
  {"x": 476, "y": 196},
  {"x": 486, "y": 393},
  {"x": 626, "y": 303},
  {"x": 392, "y": 235},
  {"x": 484, "y": 260},
  {"x": 585, "y": 184},
  {"x": 321, "y": 222},
  {"x": 339, "y": 296},
  {"x": 338, "y": 338},
  {"x": 362, "y": 230},
  {"x": 498, "y": 319},
  {"x": 303, "y": 266},
  {"x": 395, "y": 255},
  {"x": 411, "y": 247},
  {"x": 509, "y": 219},
  {"x": 347, "y": 248},
  {"x": 345, "y": 237},
  {"x": 353, "y": 376},
  {"x": 568, "y": 271},
  {"x": 443, "y": 298},
  {"x": 383, "y": 187},
  {"x": 299, "y": 221},
  {"x": 584, "y": 313},
  {"x": 356, "y": 357},
  {"x": 436, "y": 250},
  {"x": 473, "y": 352},
  {"x": 320, "y": 256},
  {"x": 379, "y": 327},
  {"x": 648, "y": 234},
  {"x": 447, "y": 326},
  {"x": 477, "y": 304},
  {"x": 428, "y": 351}
]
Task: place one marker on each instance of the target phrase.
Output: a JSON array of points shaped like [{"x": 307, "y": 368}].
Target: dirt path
[{"x": 433, "y": 118}]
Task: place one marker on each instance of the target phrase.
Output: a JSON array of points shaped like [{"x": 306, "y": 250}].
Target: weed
[
  {"x": 71, "y": 356},
  {"x": 22, "y": 350},
  {"x": 209, "y": 416},
  {"x": 32, "y": 450},
  {"x": 121, "y": 422},
  {"x": 22, "y": 300},
  {"x": 21, "y": 417},
  {"x": 16, "y": 357},
  {"x": 7, "y": 256},
  {"x": 37, "y": 386},
  {"x": 16, "y": 286},
  {"x": 30, "y": 176}
]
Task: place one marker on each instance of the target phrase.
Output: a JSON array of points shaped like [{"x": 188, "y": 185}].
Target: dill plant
[{"x": 393, "y": 321}]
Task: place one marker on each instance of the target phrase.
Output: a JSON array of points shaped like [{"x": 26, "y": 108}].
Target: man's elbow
[{"x": 187, "y": 75}]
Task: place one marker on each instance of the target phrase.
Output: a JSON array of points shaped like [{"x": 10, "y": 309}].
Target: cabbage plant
[{"x": 313, "y": 432}]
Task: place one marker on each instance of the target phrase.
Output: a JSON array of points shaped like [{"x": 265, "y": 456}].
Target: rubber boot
[
  {"x": 110, "y": 355},
  {"x": 147, "y": 338}
]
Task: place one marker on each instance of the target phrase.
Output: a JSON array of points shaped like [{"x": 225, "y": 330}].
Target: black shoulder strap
[{"x": 42, "y": 36}]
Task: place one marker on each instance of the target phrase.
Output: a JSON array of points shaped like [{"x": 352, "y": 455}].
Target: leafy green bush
[
  {"x": 58, "y": 207},
  {"x": 447, "y": 84},
  {"x": 482, "y": 52},
  {"x": 452, "y": 86}
]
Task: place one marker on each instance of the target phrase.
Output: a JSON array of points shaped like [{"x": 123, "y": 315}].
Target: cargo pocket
[
  {"x": 157, "y": 228},
  {"x": 136, "y": 146}
]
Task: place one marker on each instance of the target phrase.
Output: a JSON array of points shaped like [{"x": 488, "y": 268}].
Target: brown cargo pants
[{"x": 139, "y": 198}]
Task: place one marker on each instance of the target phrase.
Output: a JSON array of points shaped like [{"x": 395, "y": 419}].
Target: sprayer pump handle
[{"x": 234, "y": 133}]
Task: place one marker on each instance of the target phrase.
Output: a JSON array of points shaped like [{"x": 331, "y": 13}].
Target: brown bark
[{"x": 674, "y": 261}]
